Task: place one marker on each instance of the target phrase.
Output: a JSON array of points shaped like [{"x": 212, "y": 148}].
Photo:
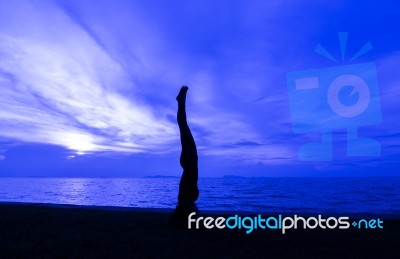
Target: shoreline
[
  {"x": 358, "y": 215},
  {"x": 37, "y": 230}
]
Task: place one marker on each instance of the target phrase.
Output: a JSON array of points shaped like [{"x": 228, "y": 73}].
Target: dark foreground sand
[{"x": 72, "y": 231}]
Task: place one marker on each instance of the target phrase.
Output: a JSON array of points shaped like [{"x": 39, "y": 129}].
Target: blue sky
[{"x": 87, "y": 88}]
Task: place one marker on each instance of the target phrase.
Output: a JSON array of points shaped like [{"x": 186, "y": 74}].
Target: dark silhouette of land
[
  {"x": 188, "y": 190},
  {"x": 31, "y": 231}
]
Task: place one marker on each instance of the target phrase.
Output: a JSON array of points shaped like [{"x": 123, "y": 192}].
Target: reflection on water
[{"x": 340, "y": 195}]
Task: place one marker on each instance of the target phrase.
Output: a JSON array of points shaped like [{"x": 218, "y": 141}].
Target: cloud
[
  {"x": 104, "y": 78},
  {"x": 62, "y": 88}
]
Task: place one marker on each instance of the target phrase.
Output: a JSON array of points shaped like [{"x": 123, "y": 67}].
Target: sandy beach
[{"x": 40, "y": 230}]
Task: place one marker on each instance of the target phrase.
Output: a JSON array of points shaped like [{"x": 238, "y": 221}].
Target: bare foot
[{"x": 182, "y": 94}]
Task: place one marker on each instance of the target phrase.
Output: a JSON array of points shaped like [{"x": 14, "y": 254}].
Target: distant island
[
  {"x": 227, "y": 176},
  {"x": 160, "y": 176},
  {"x": 230, "y": 176}
]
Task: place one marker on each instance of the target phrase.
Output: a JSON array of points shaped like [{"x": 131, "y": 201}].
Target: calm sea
[{"x": 289, "y": 195}]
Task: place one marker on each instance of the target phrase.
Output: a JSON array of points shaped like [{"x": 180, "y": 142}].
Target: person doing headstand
[{"x": 188, "y": 190}]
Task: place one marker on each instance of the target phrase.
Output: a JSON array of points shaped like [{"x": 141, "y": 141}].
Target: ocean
[{"x": 259, "y": 195}]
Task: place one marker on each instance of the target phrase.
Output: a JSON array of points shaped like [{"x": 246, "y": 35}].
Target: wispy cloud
[
  {"x": 104, "y": 78},
  {"x": 70, "y": 86},
  {"x": 62, "y": 89}
]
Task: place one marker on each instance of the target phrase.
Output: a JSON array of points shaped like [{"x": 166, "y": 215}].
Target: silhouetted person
[{"x": 188, "y": 191}]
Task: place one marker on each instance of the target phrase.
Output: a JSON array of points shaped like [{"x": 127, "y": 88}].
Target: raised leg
[{"x": 188, "y": 190}]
